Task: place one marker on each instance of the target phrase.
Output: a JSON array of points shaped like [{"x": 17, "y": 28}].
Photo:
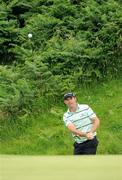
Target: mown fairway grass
[{"x": 61, "y": 167}]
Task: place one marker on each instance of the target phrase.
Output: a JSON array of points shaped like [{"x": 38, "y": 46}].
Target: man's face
[{"x": 70, "y": 102}]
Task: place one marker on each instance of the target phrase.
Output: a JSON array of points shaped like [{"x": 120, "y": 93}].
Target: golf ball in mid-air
[{"x": 30, "y": 35}]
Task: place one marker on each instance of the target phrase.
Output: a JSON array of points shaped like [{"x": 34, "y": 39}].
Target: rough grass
[{"x": 47, "y": 134}]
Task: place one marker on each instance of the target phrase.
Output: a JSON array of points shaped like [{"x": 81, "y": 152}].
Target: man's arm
[
  {"x": 96, "y": 123},
  {"x": 73, "y": 129},
  {"x": 89, "y": 135}
]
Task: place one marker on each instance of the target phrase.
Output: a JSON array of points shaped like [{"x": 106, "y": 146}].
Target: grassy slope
[
  {"x": 47, "y": 135},
  {"x": 61, "y": 167}
]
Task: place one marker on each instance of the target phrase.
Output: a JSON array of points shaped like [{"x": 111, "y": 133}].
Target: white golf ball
[{"x": 30, "y": 35}]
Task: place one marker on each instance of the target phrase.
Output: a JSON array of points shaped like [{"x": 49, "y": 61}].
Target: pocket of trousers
[{"x": 95, "y": 142}]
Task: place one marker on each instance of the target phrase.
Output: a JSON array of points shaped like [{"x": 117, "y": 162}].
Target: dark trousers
[{"x": 86, "y": 148}]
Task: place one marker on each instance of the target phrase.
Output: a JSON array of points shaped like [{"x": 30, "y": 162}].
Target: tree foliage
[{"x": 72, "y": 42}]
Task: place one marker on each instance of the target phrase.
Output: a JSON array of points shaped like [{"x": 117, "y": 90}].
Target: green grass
[
  {"x": 61, "y": 167},
  {"x": 47, "y": 134}
]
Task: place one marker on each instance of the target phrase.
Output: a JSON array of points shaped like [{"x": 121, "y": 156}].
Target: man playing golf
[{"x": 82, "y": 122}]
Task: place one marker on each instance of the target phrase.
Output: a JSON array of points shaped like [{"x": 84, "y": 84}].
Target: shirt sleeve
[
  {"x": 66, "y": 120},
  {"x": 91, "y": 113}
]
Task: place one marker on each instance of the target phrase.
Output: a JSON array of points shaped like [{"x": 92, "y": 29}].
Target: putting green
[{"x": 61, "y": 167}]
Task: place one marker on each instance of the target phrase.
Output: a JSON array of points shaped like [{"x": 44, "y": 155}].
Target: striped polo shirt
[{"x": 82, "y": 120}]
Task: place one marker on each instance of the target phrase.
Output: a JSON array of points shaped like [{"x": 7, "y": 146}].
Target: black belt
[{"x": 86, "y": 141}]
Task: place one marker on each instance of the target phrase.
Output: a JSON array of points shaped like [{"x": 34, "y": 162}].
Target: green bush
[{"x": 73, "y": 42}]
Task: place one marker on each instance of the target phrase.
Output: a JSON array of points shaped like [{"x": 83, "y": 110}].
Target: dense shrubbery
[{"x": 73, "y": 42}]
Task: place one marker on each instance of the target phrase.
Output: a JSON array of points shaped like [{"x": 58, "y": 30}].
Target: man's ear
[{"x": 64, "y": 101}]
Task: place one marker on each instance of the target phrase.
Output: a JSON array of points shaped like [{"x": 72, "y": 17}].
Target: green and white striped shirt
[{"x": 82, "y": 120}]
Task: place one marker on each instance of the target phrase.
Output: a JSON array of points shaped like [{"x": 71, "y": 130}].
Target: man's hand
[{"x": 89, "y": 136}]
